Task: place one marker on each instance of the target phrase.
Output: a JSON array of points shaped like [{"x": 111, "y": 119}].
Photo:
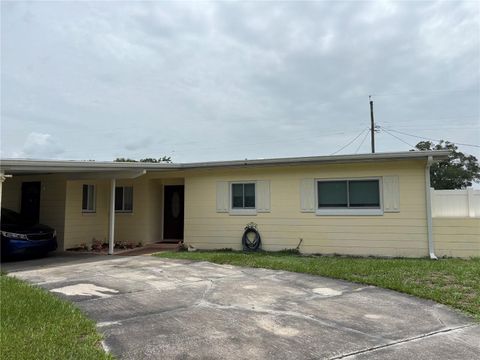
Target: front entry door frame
[
  {"x": 167, "y": 214},
  {"x": 30, "y": 200}
]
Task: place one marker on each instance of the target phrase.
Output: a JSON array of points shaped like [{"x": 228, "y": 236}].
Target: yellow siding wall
[
  {"x": 457, "y": 237},
  {"x": 155, "y": 210},
  {"x": 83, "y": 228},
  {"x": 393, "y": 234},
  {"x": 133, "y": 227},
  {"x": 143, "y": 224},
  {"x": 52, "y": 200}
]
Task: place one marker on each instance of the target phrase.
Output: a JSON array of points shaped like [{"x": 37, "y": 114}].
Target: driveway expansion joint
[{"x": 403, "y": 341}]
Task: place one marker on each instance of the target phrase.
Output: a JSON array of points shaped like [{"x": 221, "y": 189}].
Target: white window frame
[
  {"x": 94, "y": 207},
  {"x": 350, "y": 211},
  {"x": 241, "y": 211},
  {"x": 123, "y": 211}
]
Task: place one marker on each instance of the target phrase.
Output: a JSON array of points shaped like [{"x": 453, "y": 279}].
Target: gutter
[
  {"x": 317, "y": 160},
  {"x": 58, "y": 166},
  {"x": 428, "y": 199}
]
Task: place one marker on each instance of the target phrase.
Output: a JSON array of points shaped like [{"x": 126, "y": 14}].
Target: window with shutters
[
  {"x": 349, "y": 197},
  {"x": 243, "y": 196}
]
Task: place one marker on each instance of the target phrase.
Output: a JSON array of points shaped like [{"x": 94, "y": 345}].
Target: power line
[
  {"x": 363, "y": 140},
  {"x": 350, "y": 142},
  {"x": 216, "y": 147},
  {"x": 413, "y": 93},
  {"x": 453, "y": 127},
  {"x": 427, "y": 138},
  {"x": 261, "y": 142},
  {"x": 398, "y": 138},
  {"x": 232, "y": 145}
]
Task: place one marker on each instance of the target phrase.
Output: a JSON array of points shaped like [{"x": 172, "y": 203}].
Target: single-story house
[{"x": 362, "y": 204}]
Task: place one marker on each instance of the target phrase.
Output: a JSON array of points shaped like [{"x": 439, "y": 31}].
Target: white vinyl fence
[{"x": 456, "y": 203}]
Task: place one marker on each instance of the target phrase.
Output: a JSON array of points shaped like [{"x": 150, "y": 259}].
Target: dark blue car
[{"x": 22, "y": 238}]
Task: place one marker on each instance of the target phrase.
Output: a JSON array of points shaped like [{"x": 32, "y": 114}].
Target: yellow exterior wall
[
  {"x": 144, "y": 224},
  {"x": 457, "y": 237},
  {"x": 83, "y": 228},
  {"x": 392, "y": 234},
  {"x": 61, "y": 208},
  {"x": 155, "y": 210},
  {"x": 52, "y": 200}
]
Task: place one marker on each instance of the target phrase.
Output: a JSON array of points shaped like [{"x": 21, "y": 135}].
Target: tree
[
  {"x": 456, "y": 172},
  {"x": 124, "y": 160},
  {"x": 163, "y": 159},
  {"x": 166, "y": 159}
]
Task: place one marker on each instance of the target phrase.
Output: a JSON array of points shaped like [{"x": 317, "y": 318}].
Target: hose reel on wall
[{"x": 251, "y": 239}]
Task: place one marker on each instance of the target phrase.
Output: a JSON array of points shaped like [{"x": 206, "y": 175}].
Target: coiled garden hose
[{"x": 251, "y": 239}]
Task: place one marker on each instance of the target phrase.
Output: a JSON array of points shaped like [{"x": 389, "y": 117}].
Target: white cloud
[
  {"x": 99, "y": 78},
  {"x": 40, "y": 146}
]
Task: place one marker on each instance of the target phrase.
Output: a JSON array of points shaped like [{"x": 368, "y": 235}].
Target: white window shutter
[
  {"x": 391, "y": 194},
  {"x": 307, "y": 195},
  {"x": 263, "y": 196},
  {"x": 222, "y": 196}
]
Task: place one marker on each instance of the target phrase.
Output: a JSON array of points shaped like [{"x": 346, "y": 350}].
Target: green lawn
[
  {"x": 37, "y": 325},
  {"x": 453, "y": 282}
]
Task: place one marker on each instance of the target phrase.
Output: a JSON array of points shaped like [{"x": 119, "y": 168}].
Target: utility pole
[{"x": 372, "y": 124}]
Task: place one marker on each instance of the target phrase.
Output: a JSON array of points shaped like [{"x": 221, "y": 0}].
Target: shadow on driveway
[{"x": 57, "y": 258}]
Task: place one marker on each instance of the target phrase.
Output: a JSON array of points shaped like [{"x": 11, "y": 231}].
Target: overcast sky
[{"x": 230, "y": 80}]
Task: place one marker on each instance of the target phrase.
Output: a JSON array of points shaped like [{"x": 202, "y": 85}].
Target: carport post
[
  {"x": 111, "y": 228},
  {"x": 2, "y": 179}
]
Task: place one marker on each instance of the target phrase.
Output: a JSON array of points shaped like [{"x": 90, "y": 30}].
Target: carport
[{"x": 29, "y": 186}]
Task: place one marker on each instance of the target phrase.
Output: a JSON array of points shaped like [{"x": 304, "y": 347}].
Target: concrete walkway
[{"x": 150, "y": 308}]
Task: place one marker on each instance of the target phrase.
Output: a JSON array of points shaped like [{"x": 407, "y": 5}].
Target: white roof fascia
[{"x": 75, "y": 166}]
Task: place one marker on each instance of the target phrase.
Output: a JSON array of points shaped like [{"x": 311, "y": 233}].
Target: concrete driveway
[{"x": 149, "y": 308}]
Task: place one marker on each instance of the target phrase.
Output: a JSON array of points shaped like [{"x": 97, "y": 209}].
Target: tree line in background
[{"x": 163, "y": 159}]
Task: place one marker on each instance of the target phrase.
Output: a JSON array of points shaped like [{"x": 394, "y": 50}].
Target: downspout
[
  {"x": 428, "y": 199},
  {"x": 111, "y": 223}
]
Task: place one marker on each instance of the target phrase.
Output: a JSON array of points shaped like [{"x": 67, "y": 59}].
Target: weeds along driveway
[{"x": 151, "y": 308}]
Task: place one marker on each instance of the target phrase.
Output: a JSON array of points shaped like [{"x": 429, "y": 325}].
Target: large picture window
[
  {"x": 243, "y": 196},
  {"x": 124, "y": 199},
  {"x": 88, "y": 198},
  {"x": 348, "y": 194}
]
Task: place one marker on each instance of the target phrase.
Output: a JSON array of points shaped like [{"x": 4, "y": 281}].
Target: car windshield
[{"x": 11, "y": 217}]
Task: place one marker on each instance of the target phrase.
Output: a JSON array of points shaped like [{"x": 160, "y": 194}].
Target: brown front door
[
  {"x": 30, "y": 205},
  {"x": 173, "y": 212}
]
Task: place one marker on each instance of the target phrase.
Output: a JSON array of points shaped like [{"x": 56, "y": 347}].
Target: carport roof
[{"x": 32, "y": 166}]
